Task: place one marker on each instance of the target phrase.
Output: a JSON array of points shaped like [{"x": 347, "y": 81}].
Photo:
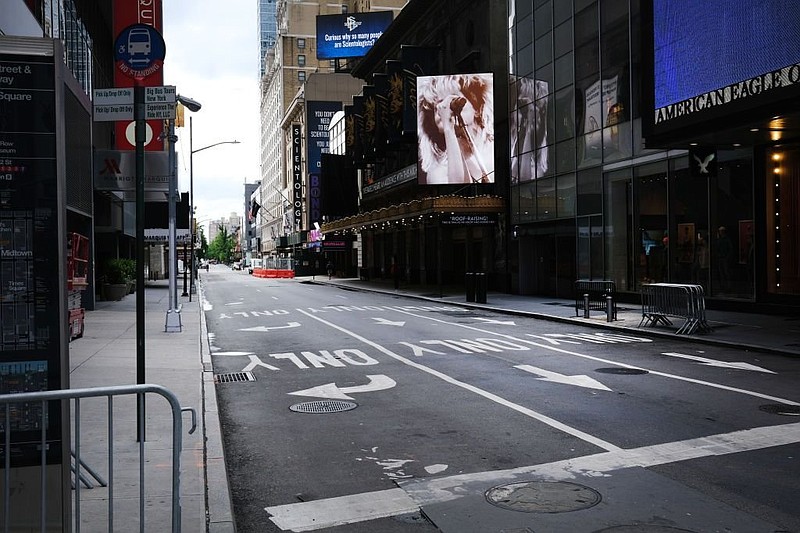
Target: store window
[
  {"x": 652, "y": 247},
  {"x": 618, "y": 213},
  {"x": 691, "y": 261}
]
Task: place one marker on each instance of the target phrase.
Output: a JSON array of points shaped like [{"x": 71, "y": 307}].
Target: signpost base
[{"x": 173, "y": 321}]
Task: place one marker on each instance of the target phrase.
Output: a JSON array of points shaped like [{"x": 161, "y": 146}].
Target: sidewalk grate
[
  {"x": 323, "y": 406},
  {"x": 234, "y": 377}
]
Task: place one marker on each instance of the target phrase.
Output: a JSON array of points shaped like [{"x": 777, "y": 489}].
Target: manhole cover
[
  {"x": 543, "y": 497},
  {"x": 643, "y": 528},
  {"x": 622, "y": 371},
  {"x": 323, "y": 406},
  {"x": 781, "y": 409},
  {"x": 234, "y": 377}
]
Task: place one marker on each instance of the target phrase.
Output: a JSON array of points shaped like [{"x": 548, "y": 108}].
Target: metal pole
[
  {"x": 191, "y": 214},
  {"x": 173, "y": 321},
  {"x": 139, "y": 118}
]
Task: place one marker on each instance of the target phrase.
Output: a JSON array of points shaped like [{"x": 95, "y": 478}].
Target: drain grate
[
  {"x": 543, "y": 497},
  {"x": 622, "y": 371},
  {"x": 780, "y": 409},
  {"x": 323, "y": 406},
  {"x": 234, "y": 377}
]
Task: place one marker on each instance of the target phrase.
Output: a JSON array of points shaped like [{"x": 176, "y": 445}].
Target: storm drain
[
  {"x": 234, "y": 377},
  {"x": 780, "y": 409},
  {"x": 323, "y": 406},
  {"x": 543, "y": 497},
  {"x": 622, "y": 371}
]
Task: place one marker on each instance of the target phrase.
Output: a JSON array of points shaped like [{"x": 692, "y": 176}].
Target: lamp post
[{"x": 191, "y": 205}]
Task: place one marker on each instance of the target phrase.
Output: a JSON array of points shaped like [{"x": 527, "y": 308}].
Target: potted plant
[{"x": 115, "y": 285}]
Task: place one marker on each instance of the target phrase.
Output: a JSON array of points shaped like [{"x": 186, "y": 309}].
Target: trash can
[
  {"x": 480, "y": 287},
  {"x": 469, "y": 283}
]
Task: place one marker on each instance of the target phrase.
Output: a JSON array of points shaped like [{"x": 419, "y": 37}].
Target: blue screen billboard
[
  {"x": 721, "y": 57},
  {"x": 350, "y": 34}
]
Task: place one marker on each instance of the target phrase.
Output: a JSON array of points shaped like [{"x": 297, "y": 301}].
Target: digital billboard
[
  {"x": 455, "y": 129},
  {"x": 719, "y": 58},
  {"x": 350, "y": 34}
]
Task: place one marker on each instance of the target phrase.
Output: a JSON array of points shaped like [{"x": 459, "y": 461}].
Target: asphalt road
[{"x": 470, "y": 421}]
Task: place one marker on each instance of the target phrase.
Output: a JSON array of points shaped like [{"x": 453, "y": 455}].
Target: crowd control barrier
[
  {"x": 13, "y": 406},
  {"x": 595, "y": 295},
  {"x": 663, "y": 300}
]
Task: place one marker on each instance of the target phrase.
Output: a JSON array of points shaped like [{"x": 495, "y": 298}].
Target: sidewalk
[{"x": 106, "y": 355}]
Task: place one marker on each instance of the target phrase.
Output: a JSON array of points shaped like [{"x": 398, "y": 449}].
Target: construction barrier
[
  {"x": 273, "y": 273},
  {"x": 662, "y": 300}
]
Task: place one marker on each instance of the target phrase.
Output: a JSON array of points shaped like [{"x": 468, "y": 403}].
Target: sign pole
[
  {"x": 173, "y": 322},
  {"x": 138, "y": 117}
]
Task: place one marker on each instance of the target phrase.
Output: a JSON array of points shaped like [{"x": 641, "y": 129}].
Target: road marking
[
  {"x": 610, "y": 362},
  {"x": 235, "y": 303},
  {"x": 268, "y": 328},
  {"x": 501, "y": 322},
  {"x": 233, "y": 353},
  {"x": 308, "y": 516},
  {"x": 377, "y": 382},
  {"x": 721, "y": 364},
  {"x": 555, "y": 377},
  {"x": 319, "y": 514},
  {"x": 486, "y": 394},
  {"x": 387, "y": 322}
]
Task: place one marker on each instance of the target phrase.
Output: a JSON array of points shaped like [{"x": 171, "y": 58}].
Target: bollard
[
  {"x": 585, "y": 306},
  {"x": 609, "y": 309}
]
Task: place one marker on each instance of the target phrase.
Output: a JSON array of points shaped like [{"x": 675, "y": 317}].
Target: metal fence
[
  {"x": 11, "y": 405},
  {"x": 662, "y": 300},
  {"x": 595, "y": 295}
]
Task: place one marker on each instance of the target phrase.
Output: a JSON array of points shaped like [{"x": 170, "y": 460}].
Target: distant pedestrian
[{"x": 330, "y": 269}]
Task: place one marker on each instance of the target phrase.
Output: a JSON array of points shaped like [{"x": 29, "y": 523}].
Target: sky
[{"x": 212, "y": 57}]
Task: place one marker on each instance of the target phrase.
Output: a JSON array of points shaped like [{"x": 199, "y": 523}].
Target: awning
[{"x": 416, "y": 209}]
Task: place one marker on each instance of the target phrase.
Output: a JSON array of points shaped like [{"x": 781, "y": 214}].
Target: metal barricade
[
  {"x": 663, "y": 300},
  {"x": 37, "y": 402},
  {"x": 592, "y": 295}
]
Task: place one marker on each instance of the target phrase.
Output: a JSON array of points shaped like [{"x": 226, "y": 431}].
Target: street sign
[
  {"x": 113, "y": 96},
  {"x": 159, "y": 111},
  {"x": 113, "y": 112},
  {"x": 139, "y": 50},
  {"x": 164, "y": 94}
]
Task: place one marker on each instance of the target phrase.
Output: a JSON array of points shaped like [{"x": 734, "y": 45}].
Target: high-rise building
[
  {"x": 267, "y": 30},
  {"x": 285, "y": 68}
]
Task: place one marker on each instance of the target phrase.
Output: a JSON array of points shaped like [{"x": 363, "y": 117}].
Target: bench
[
  {"x": 663, "y": 300},
  {"x": 593, "y": 295}
]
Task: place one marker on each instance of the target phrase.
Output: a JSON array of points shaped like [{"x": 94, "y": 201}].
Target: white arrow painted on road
[
  {"x": 267, "y": 328},
  {"x": 386, "y": 322},
  {"x": 493, "y": 321},
  {"x": 331, "y": 391},
  {"x": 721, "y": 364},
  {"x": 555, "y": 377}
]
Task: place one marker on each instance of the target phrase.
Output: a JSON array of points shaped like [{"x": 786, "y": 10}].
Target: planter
[{"x": 115, "y": 291}]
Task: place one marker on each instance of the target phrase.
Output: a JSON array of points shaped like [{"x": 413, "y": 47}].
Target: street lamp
[{"x": 191, "y": 203}]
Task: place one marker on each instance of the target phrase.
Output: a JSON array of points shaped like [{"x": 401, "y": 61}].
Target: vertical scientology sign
[{"x": 297, "y": 175}]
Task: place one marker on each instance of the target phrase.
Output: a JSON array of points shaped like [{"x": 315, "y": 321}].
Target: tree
[{"x": 221, "y": 248}]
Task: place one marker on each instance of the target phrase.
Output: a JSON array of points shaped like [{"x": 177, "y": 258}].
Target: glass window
[
  {"x": 562, "y": 37},
  {"x": 618, "y": 215},
  {"x": 690, "y": 218},
  {"x": 562, "y": 11},
  {"x": 546, "y": 198},
  {"x": 590, "y": 191},
  {"x": 564, "y": 70},
  {"x": 543, "y": 19},
  {"x": 566, "y": 195},
  {"x": 587, "y": 53},
  {"x": 301, "y": 43},
  {"x": 525, "y": 31},
  {"x": 565, "y": 114},
  {"x": 301, "y": 75},
  {"x": 565, "y": 156},
  {"x": 545, "y": 74},
  {"x": 523, "y": 8},
  {"x": 651, "y": 265},
  {"x": 543, "y": 51},
  {"x": 527, "y": 202},
  {"x": 525, "y": 61},
  {"x": 301, "y": 60}
]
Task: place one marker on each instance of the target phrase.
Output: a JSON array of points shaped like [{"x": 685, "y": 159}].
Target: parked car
[
  {"x": 254, "y": 263},
  {"x": 237, "y": 265}
]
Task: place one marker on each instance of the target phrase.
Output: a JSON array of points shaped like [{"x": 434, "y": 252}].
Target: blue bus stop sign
[{"x": 139, "y": 50}]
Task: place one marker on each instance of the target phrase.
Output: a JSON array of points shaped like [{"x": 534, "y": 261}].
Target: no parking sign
[{"x": 139, "y": 51}]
